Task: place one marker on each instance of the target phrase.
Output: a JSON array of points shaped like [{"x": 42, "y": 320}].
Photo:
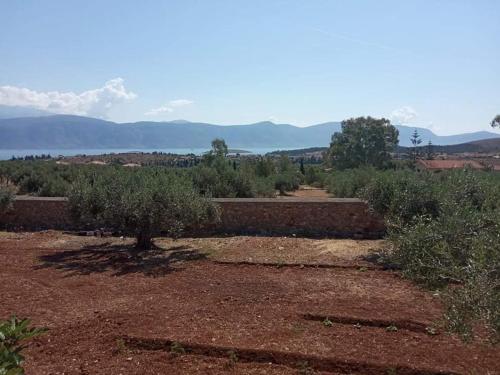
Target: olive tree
[
  {"x": 143, "y": 203},
  {"x": 6, "y": 196}
]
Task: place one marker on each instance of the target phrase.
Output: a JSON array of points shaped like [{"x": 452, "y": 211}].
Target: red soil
[{"x": 111, "y": 313}]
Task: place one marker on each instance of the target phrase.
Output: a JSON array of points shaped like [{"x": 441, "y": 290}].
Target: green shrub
[
  {"x": 264, "y": 187},
  {"x": 7, "y": 191},
  {"x": 286, "y": 181},
  {"x": 350, "y": 182},
  {"x": 12, "y": 333},
  {"x": 401, "y": 196},
  {"x": 219, "y": 178},
  {"x": 314, "y": 176},
  {"x": 445, "y": 230}
]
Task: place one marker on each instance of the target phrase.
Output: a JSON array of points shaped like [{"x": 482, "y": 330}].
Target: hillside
[
  {"x": 70, "y": 132},
  {"x": 15, "y": 112},
  {"x": 485, "y": 146},
  {"x": 482, "y": 146}
]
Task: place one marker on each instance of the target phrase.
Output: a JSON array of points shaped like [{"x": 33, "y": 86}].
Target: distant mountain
[
  {"x": 426, "y": 135},
  {"x": 485, "y": 146},
  {"x": 71, "y": 132},
  {"x": 491, "y": 145},
  {"x": 16, "y": 112}
]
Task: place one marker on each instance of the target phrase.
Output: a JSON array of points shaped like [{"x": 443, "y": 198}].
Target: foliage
[
  {"x": 429, "y": 151},
  {"x": 12, "y": 333},
  {"x": 264, "y": 167},
  {"x": 315, "y": 176},
  {"x": 363, "y": 141},
  {"x": 42, "y": 178},
  {"x": 348, "y": 183},
  {"x": 7, "y": 190},
  {"x": 217, "y": 177},
  {"x": 213, "y": 175},
  {"x": 495, "y": 123},
  {"x": 445, "y": 230},
  {"x": 415, "y": 141},
  {"x": 401, "y": 196},
  {"x": 219, "y": 147},
  {"x": 286, "y": 181},
  {"x": 140, "y": 203}
]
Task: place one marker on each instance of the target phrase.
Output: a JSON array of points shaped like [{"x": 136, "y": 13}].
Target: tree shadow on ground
[
  {"x": 120, "y": 260},
  {"x": 381, "y": 259}
]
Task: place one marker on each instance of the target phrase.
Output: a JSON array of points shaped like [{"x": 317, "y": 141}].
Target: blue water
[{"x": 7, "y": 154}]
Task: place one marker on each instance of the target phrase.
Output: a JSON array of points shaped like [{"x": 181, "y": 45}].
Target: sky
[{"x": 428, "y": 63}]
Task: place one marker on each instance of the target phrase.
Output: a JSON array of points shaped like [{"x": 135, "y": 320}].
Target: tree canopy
[
  {"x": 6, "y": 195},
  {"x": 363, "y": 141},
  {"x": 495, "y": 123},
  {"x": 140, "y": 203},
  {"x": 219, "y": 147}
]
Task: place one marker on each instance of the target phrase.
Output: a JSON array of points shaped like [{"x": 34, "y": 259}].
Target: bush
[
  {"x": 314, "y": 176},
  {"x": 350, "y": 182},
  {"x": 7, "y": 191},
  {"x": 219, "y": 178},
  {"x": 286, "y": 181},
  {"x": 139, "y": 202},
  {"x": 401, "y": 196},
  {"x": 12, "y": 333},
  {"x": 445, "y": 229}
]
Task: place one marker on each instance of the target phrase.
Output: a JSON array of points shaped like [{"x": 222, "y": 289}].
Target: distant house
[{"x": 437, "y": 165}]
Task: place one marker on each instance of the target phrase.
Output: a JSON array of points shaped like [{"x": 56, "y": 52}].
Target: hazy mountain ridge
[
  {"x": 66, "y": 132},
  {"x": 7, "y": 112},
  {"x": 491, "y": 145}
]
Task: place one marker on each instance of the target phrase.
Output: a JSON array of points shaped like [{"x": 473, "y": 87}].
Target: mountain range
[{"x": 45, "y": 131}]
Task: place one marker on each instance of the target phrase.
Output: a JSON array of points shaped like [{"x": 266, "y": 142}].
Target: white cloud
[
  {"x": 94, "y": 103},
  {"x": 169, "y": 107},
  {"x": 403, "y": 115}
]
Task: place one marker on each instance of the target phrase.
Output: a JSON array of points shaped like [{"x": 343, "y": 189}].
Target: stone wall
[
  {"x": 309, "y": 217},
  {"x": 35, "y": 213}
]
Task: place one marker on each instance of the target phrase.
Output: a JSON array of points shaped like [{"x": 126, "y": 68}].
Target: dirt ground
[
  {"x": 208, "y": 306},
  {"x": 306, "y": 191}
]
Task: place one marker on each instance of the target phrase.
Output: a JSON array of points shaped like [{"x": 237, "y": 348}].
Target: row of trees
[
  {"x": 147, "y": 202},
  {"x": 366, "y": 141}
]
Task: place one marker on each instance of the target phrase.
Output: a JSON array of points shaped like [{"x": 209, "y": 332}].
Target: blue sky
[{"x": 434, "y": 64}]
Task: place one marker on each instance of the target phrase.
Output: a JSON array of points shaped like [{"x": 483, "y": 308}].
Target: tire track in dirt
[
  {"x": 408, "y": 325},
  {"x": 292, "y": 360},
  {"x": 361, "y": 267}
]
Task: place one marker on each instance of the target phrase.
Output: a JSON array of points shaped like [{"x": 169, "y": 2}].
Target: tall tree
[
  {"x": 415, "y": 141},
  {"x": 495, "y": 123},
  {"x": 219, "y": 147},
  {"x": 302, "y": 169},
  {"x": 430, "y": 151},
  {"x": 363, "y": 141}
]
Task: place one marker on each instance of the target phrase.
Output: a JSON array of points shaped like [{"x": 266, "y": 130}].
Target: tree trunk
[{"x": 144, "y": 241}]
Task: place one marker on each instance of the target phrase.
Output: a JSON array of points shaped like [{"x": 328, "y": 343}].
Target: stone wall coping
[
  {"x": 43, "y": 199},
  {"x": 224, "y": 200},
  {"x": 288, "y": 200}
]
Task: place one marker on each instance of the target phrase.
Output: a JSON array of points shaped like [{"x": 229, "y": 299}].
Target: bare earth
[
  {"x": 306, "y": 191},
  {"x": 207, "y": 306}
]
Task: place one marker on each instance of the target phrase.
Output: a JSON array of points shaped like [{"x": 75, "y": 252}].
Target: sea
[{"x": 6, "y": 154}]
